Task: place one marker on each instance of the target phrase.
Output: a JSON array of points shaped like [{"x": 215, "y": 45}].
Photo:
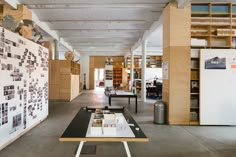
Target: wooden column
[{"x": 176, "y": 55}]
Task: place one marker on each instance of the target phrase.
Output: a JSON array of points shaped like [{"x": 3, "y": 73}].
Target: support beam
[
  {"x": 12, "y": 3},
  {"x": 143, "y": 86},
  {"x": 56, "y": 54}
]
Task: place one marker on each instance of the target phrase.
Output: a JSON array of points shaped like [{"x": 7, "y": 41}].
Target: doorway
[{"x": 99, "y": 79}]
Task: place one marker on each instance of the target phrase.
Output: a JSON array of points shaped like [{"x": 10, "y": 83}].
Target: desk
[
  {"x": 154, "y": 90},
  {"x": 77, "y": 129},
  {"x": 128, "y": 95}
]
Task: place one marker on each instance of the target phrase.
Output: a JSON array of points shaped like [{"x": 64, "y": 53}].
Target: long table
[
  {"x": 77, "y": 130},
  {"x": 125, "y": 95}
]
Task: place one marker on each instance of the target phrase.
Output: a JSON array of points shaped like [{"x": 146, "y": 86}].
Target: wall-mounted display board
[
  {"x": 23, "y": 85},
  {"x": 218, "y": 87}
]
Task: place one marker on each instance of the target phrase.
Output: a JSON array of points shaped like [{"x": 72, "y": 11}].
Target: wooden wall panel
[
  {"x": 176, "y": 26},
  {"x": 176, "y": 51},
  {"x": 180, "y": 25},
  {"x": 165, "y": 89},
  {"x": 54, "y": 91},
  {"x": 55, "y": 72},
  {"x": 65, "y": 81},
  {"x": 91, "y": 78},
  {"x": 179, "y": 89},
  {"x": 62, "y": 84}
]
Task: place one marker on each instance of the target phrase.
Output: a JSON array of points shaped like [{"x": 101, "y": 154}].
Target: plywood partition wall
[
  {"x": 98, "y": 62},
  {"x": 176, "y": 54}
]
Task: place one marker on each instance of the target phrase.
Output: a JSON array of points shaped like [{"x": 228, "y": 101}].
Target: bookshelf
[
  {"x": 117, "y": 77},
  {"x": 151, "y": 61},
  {"x": 213, "y": 25}
]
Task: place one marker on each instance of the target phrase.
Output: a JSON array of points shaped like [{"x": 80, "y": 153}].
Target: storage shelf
[
  {"x": 194, "y": 108},
  {"x": 194, "y": 93},
  {"x": 199, "y": 36}
]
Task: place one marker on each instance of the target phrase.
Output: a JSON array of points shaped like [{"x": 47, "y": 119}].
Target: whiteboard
[{"x": 218, "y": 87}]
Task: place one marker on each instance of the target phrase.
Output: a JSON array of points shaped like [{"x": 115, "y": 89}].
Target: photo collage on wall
[
  {"x": 4, "y": 114},
  {"x": 23, "y": 85}
]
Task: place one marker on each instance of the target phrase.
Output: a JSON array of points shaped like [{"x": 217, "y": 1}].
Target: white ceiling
[{"x": 99, "y": 27}]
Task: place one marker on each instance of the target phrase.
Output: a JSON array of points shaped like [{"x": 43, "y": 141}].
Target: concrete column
[
  {"x": 132, "y": 69},
  {"x": 143, "y": 87},
  {"x": 56, "y": 53}
]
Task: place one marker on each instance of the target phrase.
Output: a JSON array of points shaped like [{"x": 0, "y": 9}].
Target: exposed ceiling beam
[
  {"x": 52, "y": 33},
  {"x": 79, "y": 5},
  {"x": 102, "y": 39},
  {"x": 94, "y": 2},
  {"x": 49, "y": 15},
  {"x": 95, "y": 21}
]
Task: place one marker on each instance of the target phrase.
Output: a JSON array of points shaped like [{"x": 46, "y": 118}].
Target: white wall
[
  {"x": 23, "y": 85},
  {"x": 152, "y": 72}
]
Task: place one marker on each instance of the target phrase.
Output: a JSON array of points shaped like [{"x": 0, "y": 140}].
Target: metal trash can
[{"x": 159, "y": 112}]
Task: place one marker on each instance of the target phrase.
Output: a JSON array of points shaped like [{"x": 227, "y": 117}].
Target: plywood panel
[
  {"x": 91, "y": 78},
  {"x": 176, "y": 25},
  {"x": 75, "y": 86},
  {"x": 65, "y": 96},
  {"x": 176, "y": 51},
  {"x": 180, "y": 25},
  {"x": 65, "y": 82},
  {"x": 179, "y": 88},
  {"x": 54, "y": 72},
  {"x": 54, "y": 92}
]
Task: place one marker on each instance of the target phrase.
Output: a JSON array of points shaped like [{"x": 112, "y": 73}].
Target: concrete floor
[{"x": 165, "y": 141}]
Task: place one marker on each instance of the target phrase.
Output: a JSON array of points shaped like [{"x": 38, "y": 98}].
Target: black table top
[
  {"x": 77, "y": 129},
  {"x": 122, "y": 95}
]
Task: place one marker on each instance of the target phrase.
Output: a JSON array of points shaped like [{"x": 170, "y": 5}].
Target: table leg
[
  {"x": 109, "y": 101},
  {"x": 79, "y": 148},
  {"x": 136, "y": 104},
  {"x": 129, "y": 100},
  {"x": 127, "y": 148}
]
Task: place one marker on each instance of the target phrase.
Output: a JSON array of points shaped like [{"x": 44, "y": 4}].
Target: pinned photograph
[{"x": 215, "y": 63}]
